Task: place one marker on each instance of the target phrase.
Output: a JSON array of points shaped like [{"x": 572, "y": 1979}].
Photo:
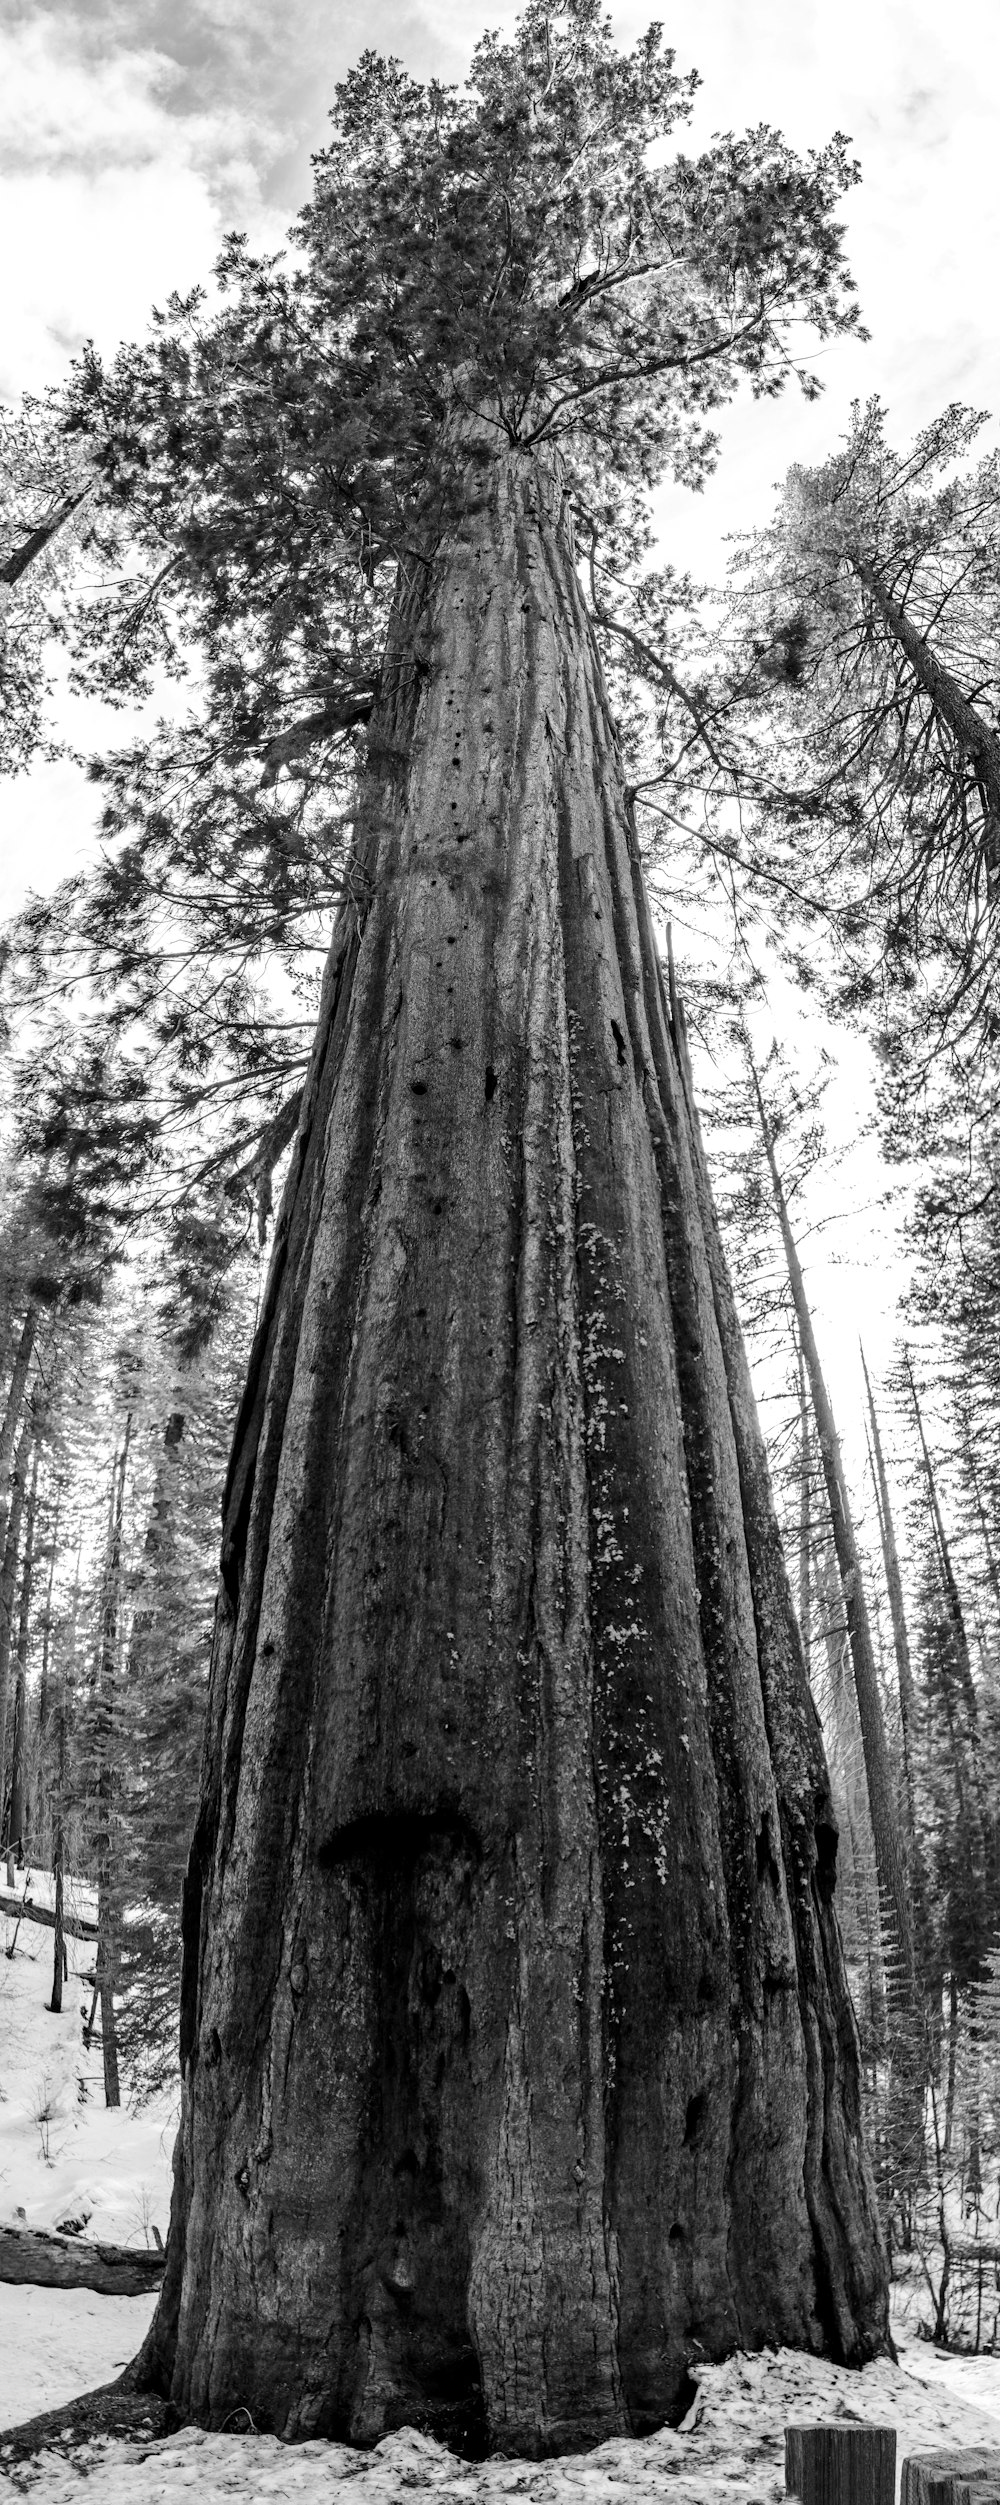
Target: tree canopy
[{"x": 534, "y": 251}]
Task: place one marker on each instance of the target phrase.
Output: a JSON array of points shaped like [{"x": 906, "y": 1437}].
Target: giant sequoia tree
[{"x": 518, "y": 2062}]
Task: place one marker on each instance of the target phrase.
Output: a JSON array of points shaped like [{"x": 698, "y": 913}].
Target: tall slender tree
[
  {"x": 881, "y": 1790},
  {"x": 897, "y": 1609},
  {"x": 871, "y": 607},
  {"x": 9, "y": 1565},
  {"x": 106, "y": 1748},
  {"x": 19, "y": 1743}
]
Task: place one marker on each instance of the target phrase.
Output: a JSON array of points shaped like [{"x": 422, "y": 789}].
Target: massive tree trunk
[{"x": 518, "y": 2061}]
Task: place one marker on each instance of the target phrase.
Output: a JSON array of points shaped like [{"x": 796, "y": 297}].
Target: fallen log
[
  {"x": 30, "y": 2257},
  {"x": 22, "y": 1910}
]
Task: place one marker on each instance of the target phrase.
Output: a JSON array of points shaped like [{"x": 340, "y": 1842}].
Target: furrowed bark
[{"x": 517, "y": 2054}]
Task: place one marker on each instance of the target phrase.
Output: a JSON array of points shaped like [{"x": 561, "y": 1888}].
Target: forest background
[{"x": 135, "y": 141}]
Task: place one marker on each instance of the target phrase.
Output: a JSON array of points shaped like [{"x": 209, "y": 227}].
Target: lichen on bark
[{"x": 519, "y": 2066}]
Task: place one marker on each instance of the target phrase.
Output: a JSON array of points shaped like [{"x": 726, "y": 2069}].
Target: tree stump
[
  {"x": 969, "y": 2475},
  {"x": 841, "y": 2465}
]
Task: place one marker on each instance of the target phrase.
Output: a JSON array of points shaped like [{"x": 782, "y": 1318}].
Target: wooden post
[
  {"x": 841, "y": 2465},
  {"x": 970, "y": 2476}
]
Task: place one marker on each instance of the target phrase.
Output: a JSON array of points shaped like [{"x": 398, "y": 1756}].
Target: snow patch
[
  {"x": 114, "y": 2168},
  {"x": 63, "y": 2155}
]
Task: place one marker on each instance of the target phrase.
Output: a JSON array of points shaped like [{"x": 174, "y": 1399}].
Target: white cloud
[
  {"x": 109, "y": 197},
  {"x": 57, "y": 107}
]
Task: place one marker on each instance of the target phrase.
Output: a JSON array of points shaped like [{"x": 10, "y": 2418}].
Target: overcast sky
[{"x": 134, "y": 133}]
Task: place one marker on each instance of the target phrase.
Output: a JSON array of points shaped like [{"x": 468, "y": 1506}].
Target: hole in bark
[
  {"x": 455, "y": 1042},
  {"x": 676, "y": 2235},
  {"x": 490, "y": 1086},
  {"x": 454, "y": 2387},
  {"x": 694, "y": 2117},
  {"x": 619, "y": 1041},
  {"x": 418, "y": 1087},
  {"x": 390, "y": 1840},
  {"x": 436, "y": 1208},
  {"x": 408, "y": 2163},
  {"x": 827, "y": 1840}
]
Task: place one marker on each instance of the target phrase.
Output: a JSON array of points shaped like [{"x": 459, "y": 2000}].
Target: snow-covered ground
[
  {"x": 58, "y": 2342},
  {"x": 64, "y": 2159},
  {"x": 730, "y": 2451},
  {"x": 63, "y": 2156}
]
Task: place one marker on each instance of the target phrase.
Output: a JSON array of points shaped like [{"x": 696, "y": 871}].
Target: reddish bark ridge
[{"x": 519, "y": 2065}]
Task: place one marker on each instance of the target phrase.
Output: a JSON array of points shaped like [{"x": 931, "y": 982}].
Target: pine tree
[
  {"x": 870, "y": 606},
  {"x": 881, "y": 1790}
]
